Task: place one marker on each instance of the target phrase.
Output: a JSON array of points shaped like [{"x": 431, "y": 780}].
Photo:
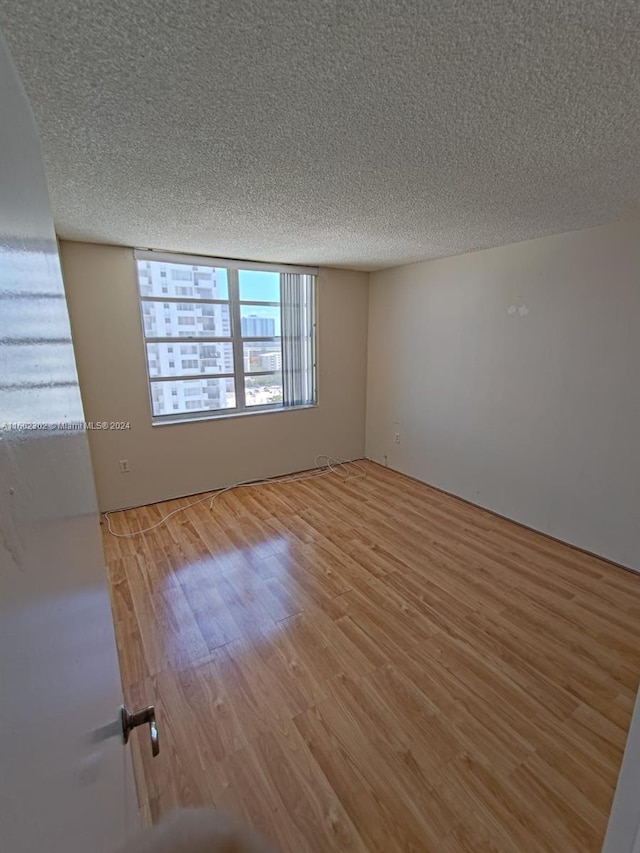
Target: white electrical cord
[{"x": 332, "y": 465}]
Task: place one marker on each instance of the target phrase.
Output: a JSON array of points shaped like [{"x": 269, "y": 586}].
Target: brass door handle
[{"x": 140, "y": 718}]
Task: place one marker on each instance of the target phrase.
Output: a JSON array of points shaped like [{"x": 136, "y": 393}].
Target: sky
[{"x": 259, "y": 285}]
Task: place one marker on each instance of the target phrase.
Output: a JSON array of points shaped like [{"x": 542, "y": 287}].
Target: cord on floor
[{"x": 342, "y": 468}]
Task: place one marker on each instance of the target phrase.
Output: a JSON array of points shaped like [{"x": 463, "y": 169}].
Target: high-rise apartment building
[
  {"x": 254, "y": 326},
  {"x": 189, "y": 320}
]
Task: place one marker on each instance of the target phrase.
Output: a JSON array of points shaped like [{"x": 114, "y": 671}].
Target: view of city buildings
[{"x": 204, "y": 370}]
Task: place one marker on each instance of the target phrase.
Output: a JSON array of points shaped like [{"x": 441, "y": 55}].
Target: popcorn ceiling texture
[{"x": 360, "y": 134}]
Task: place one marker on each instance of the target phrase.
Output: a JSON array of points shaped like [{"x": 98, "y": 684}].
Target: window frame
[{"x": 236, "y": 339}]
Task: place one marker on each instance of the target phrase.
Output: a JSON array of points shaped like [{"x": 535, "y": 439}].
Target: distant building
[
  {"x": 256, "y": 360},
  {"x": 189, "y": 320},
  {"x": 258, "y": 327},
  {"x": 271, "y": 361}
]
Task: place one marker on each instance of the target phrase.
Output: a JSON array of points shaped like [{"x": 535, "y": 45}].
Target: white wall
[
  {"x": 183, "y": 459},
  {"x": 513, "y": 378}
]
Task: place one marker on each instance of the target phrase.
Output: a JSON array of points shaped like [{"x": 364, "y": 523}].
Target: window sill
[{"x": 223, "y": 417}]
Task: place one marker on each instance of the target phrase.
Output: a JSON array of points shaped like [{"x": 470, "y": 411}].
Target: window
[{"x": 247, "y": 331}]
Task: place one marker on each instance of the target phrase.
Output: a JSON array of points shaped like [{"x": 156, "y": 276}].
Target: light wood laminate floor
[{"x": 374, "y": 665}]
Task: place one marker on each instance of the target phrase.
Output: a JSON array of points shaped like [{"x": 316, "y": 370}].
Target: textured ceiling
[{"x": 359, "y": 134}]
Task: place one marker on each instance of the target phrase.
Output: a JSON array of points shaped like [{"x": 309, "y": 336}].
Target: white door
[
  {"x": 65, "y": 779},
  {"x": 623, "y": 832}
]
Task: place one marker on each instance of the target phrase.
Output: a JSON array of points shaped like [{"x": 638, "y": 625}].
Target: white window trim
[
  {"x": 228, "y": 263},
  {"x": 174, "y": 418}
]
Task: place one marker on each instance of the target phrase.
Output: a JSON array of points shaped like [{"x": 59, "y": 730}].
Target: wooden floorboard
[{"x": 373, "y": 665}]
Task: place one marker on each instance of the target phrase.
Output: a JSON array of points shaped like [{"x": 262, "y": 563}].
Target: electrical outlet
[
  {"x": 397, "y": 438},
  {"x": 124, "y": 466}
]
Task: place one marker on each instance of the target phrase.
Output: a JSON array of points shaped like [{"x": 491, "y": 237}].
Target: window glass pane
[
  {"x": 185, "y": 320},
  {"x": 192, "y": 395},
  {"x": 257, "y": 286},
  {"x": 159, "y": 278},
  {"x": 263, "y": 390},
  {"x": 189, "y": 358},
  {"x": 192, "y": 314},
  {"x": 262, "y": 356},
  {"x": 260, "y": 321}
]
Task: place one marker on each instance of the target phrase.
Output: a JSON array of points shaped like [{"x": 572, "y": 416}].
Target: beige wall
[
  {"x": 513, "y": 378},
  {"x": 182, "y": 459}
]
